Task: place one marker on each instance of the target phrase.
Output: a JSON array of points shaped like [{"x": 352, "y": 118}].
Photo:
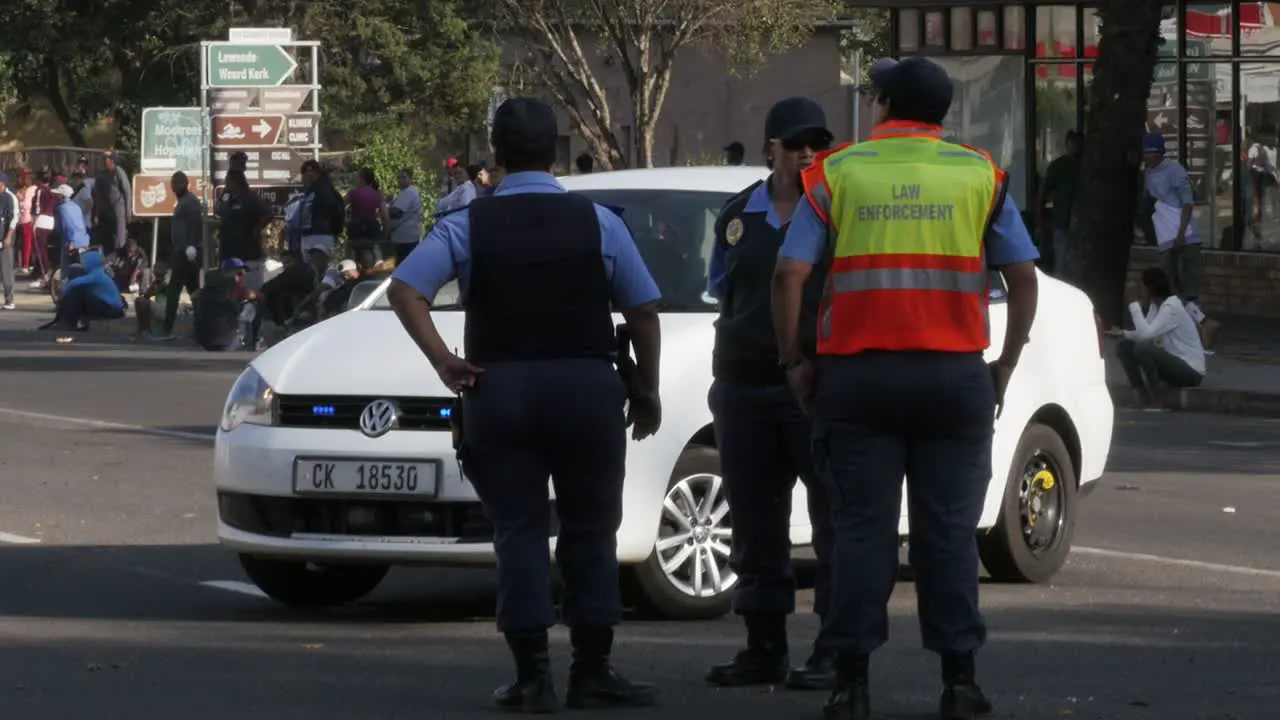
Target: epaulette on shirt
[{"x": 615, "y": 209}]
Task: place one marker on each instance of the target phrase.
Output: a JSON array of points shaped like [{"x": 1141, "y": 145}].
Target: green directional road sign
[
  {"x": 249, "y": 65},
  {"x": 172, "y": 140},
  {"x": 1167, "y": 72}
]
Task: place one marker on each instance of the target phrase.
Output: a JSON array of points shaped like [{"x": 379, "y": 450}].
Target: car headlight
[{"x": 251, "y": 401}]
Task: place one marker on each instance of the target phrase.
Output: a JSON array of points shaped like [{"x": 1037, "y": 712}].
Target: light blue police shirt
[
  {"x": 758, "y": 202},
  {"x": 445, "y": 254},
  {"x": 1007, "y": 242}
]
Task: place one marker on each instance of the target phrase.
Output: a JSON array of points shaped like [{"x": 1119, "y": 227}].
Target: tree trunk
[
  {"x": 1103, "y": 223},
  {"x": 53, "y": 90}
]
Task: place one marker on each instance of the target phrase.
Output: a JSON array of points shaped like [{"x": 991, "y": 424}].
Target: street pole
[
  {"x": 857, "y": 95},
  {"x": 155, "y": 240},
  {"x": 205, "y": 180}
]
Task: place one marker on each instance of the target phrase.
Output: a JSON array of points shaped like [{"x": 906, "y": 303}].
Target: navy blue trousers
[
  {"x": 880, "y": 416},
  {"x": 765, "y": 444},
  {"x": 526, "y": 422}
]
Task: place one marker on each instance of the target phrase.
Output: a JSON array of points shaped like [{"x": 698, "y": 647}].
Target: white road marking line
[
  {"x": 1180, "y": 562},
  {"x": 234, "y": 586},
  {"x": 11, "y": 539},
  {"x": 106, "y": 425}
]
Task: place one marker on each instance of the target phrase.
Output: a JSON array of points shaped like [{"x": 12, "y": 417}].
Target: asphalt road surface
[{"x": 116, "y": 604}]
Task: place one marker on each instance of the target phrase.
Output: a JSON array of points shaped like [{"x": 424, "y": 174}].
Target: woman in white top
[{"x": 1163, "y": 349}]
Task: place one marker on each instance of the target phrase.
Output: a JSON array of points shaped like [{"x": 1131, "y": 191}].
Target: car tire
[
  {"x": 1006, "y": 549},
  {"x": 304, "y": 585},
  {"x": 652, "y": 589}
]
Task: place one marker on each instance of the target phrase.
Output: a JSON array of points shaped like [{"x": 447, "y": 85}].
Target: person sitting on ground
[
  {"x": 329, "y": 297},
  {"x": 219, "y": 307},
  {"x": 88, "y": 295},
  {"x": 283, "y": 294},
  {"x": 152, "y": 300},
  {"x": 1163, "y": 350},
  {"x": 130, "y": 267}
]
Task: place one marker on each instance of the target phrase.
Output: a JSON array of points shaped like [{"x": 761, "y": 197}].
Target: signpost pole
[
  {"x": 204, "y": 161},
  {"x": 155, "y": 242},
  {"x": 315, "y": 97}
]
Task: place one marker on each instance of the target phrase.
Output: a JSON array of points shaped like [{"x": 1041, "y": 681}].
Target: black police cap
[
  {"x": 915, "y": 80},
  {"x": 524, "y": 122},
  {"x": 794, "y": 116}
]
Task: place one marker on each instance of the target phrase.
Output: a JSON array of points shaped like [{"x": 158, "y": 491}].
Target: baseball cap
[
  {"x": 523, "y": 122},
  {"x": 1153, "y": 142},
  {"x": 233, "y": 264},
  {"x": 916, "y": 83},
  {"x": 64, "y": 190},
  {"x": 451, "y": 163},
  {"x": 83, "y": 160},
  {"x": 794, "y": 116},
  {"x": 108, "y": 154},
  {"x": 347, "y": 266}
]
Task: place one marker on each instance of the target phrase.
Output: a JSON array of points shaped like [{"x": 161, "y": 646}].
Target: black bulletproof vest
[
  {"x": 538, "y": 287},
  {"x": 746, "y": 349}
]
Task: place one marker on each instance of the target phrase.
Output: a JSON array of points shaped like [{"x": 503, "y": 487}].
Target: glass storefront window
[
  {"x": 908, "y": 31},
  {"x": 988, "y": 29},
  {"x": 989, "y": 112},
  {"x": 961, "y": 29},
  {"x": 1212, "y": 22},
  {"x": 1057, "y": 90},
  {"x": 1260, "y": 129},
  {"x": 935, "y": 30},
  {"x": 1015, "y": 31},
  {"x": 1056, "y": 31}
]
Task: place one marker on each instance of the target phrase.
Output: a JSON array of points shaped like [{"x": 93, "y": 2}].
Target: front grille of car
[
  {"x": 284, "y": 516},
  {"x": 343, "y": 411}
]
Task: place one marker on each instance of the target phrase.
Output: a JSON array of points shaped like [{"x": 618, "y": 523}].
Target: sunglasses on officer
[{"x": 817, "y": 140}]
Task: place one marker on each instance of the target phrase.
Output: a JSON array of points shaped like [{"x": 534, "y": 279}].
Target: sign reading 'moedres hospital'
[{"x": 249, "y": 66}]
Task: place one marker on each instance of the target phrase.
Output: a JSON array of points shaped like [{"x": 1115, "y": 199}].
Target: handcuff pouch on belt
[{"x": 457, "y": 429}]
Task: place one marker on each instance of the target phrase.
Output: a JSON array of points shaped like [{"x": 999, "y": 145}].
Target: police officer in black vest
[
  {"x": 762, "y": 434},
  {"x": 540, "y": 272}
]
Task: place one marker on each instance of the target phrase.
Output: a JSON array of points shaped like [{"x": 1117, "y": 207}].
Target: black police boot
[
  {"x": 763, "y": 662},
  {"x": 533, "y": 690},
  {"x": 851, "y": 697},
  {"x": 593, "y": 683},
  {"x": 817, "y": 673},
  {"x": 962, "y": 699}
]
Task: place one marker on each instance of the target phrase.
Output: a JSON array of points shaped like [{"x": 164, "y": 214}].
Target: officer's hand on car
[
  {"x": 800, "y": 380},
  {"x": 644, "y": 415},
  {"x": 457, "y": 374}
]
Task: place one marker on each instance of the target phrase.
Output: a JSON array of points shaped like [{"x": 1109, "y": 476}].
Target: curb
[{"x": 1210, "y": 400}]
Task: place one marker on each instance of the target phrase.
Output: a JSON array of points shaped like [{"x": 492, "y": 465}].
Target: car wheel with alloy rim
[
  {"x": 1032, "y": 537},
  {"x": 303, "y": 584},
  {"x": 687, "y": 577}
]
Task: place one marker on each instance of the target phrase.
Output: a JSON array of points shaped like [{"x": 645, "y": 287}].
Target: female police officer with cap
[
  {"x": 762, "y": 434},
  {"x": 540, "y": 272}
]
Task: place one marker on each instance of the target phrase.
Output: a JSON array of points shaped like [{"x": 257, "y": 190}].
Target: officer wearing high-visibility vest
[
  {"x": 911, "y": 224},
  {"x": 763, "y": 436},
  {"x": 540, "y": 271}
]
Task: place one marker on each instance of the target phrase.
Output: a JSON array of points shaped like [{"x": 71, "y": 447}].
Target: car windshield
[{"x": 674, "y": 230}]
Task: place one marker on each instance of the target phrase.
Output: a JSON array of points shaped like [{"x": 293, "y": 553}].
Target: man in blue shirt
[
  {"x": 905, "y": 391},
  {"x": 540, "y": 271},
  {"x": 1168, "y": 183}
]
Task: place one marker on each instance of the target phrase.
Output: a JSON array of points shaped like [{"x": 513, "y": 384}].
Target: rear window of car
[{"x": 674, "y": 231}]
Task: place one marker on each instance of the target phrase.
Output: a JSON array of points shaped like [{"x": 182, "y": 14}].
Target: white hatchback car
[{"x": 334, "y": 458}]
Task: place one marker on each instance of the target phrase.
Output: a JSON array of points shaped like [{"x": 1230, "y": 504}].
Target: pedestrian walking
[
  {"x": 186, "y": 243},
  {"x": 1177, "y": 237},
  {"x": 540, "y": 270},
  {"x": 111, "y": 204},
  {"x": 9, "y": 210},
  {"x": 913, "y": 224},
  {"x": 762, "y": 434}
]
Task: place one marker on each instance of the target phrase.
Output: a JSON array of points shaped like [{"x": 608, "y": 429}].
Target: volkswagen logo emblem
[{"x": 379, "y": 418}]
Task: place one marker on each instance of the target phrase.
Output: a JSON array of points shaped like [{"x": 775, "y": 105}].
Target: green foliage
[
  {"x": 415, "y": 63},
  {"x": 870, "y": 33},
  {"x": 386, "y": 152}
]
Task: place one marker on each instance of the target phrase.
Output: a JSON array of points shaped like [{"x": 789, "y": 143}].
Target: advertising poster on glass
[
  {"x": 935, "y": 30},
  {"x": 1015, "y": 28},
  {"x": 988, "y": 29}
]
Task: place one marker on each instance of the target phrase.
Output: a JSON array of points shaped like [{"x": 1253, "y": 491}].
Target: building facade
[{"x": 1023, "y": 72}]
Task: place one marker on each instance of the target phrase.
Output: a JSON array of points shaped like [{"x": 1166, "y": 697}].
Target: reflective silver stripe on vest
[
  {"x": 820, "y": 196},
  {"x": 908, "y": 279},
  {"x": 882, "y": 132}
]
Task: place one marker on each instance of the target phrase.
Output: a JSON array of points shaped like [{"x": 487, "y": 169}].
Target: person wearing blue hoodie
[{"x": 91, "y": 296}]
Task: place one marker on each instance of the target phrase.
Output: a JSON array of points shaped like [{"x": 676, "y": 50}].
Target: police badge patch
[{"x": 733, "y": 233}]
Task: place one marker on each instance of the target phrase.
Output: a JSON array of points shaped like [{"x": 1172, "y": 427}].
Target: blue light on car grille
[
  {"x": 323, "y": 411},
  {"x": 446, "y": 412}
]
